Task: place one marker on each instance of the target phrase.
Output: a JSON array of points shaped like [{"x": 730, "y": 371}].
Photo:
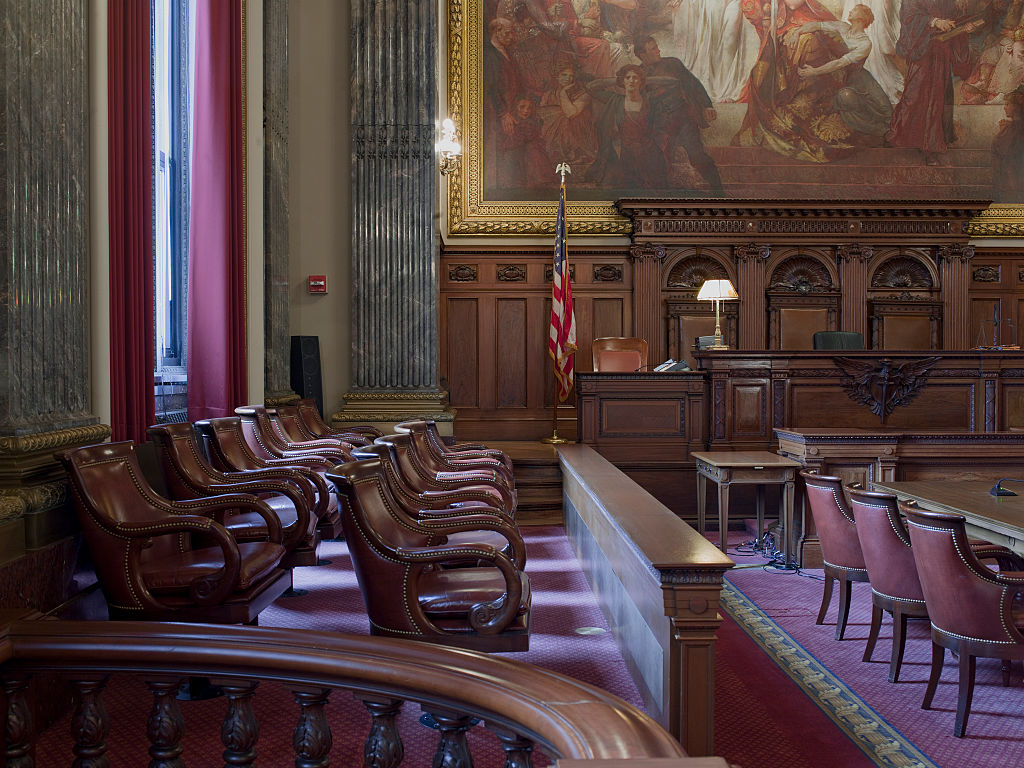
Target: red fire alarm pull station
[{"x": 318, "y": 283}]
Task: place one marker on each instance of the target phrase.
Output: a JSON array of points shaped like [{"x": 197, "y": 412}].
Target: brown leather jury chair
[
  {"x": 840, "y": 546},
  {"x": 313, "y": 421},
  {"x": 974, "y": 610},
  {"x": 619, "y": 354},
  {"x": 146, "y": 552},
  {"x": 407, "y": 580},
  {"x": 457, "y": 450}
]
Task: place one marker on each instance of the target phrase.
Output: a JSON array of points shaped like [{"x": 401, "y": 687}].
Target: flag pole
[{"x": 561, "y": 232}]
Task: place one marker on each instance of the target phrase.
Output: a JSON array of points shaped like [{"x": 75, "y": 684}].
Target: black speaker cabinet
[{"x": 305, "y": 379}]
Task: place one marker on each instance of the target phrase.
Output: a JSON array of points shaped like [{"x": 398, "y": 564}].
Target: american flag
[{"x": 562, "y": 338}]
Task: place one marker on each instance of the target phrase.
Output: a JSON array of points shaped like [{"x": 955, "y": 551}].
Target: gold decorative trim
[
  {"x": 20, "y": 445},
  {"x": 998, "y": 221},
  {"x": 22, "y": 501},
  {"x": 379, "y": 396}
]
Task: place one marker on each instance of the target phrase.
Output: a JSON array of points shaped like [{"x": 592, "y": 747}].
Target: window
[{"x": 172, "y": 33}]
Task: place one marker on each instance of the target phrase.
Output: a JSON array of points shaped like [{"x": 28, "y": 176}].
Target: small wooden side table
[{"x": 758, "y": 468}]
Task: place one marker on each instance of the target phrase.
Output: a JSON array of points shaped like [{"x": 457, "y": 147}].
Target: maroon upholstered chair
[
  {"x": 229, "y": 451},
  {"x": 619, "y": 354},
  {"x": 974, "y": 610},
  {"x": 188, "y": 475},
  {"x": 146, "y": 549},
  {"x": 895, "y": 586},
  {"x": 840, "y": 546},
  {"x": 407, "y": 580}
]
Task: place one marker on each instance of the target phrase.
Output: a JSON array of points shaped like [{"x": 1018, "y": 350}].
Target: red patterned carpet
[{"x": 995, "y": 731}]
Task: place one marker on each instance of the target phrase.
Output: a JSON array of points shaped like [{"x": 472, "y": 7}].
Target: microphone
[{"x": 998, "y": 490}]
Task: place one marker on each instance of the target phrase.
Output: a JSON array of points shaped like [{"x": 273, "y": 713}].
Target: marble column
[
  {"x": 44, "y": 297},
  {"x": 277, "y": 335},
  {"x": 395, "y": 282}
]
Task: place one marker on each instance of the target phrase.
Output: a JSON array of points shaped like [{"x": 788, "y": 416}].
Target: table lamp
[{"x": 717, "y": 291}]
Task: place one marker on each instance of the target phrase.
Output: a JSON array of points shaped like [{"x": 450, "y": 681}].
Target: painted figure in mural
[
  {"x": 934, "y": 41},
  {"x": 501, "y": 87},
  {"x": 569, "y": 131},
  {"x": 1000, "y": 67},
  {"x": 1008, "y": 151},
  {"x": 883, "y": 62},
  {"x": 681, "y": 111},
  {"x": 716, "y": 43},
  {"x": 809, "y": 96},
  {"x": 629, "y": 156},
  {"x": 523, "y": 161},
  {"x": 859, "y": 99}
]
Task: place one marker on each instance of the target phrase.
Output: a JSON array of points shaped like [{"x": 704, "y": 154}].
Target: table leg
[
  {"x": 702, "y": 497},
  {"x": 788, "y": 502},
  {"x": 760, "y": 513},
  {"x": 723, "y": 515}
]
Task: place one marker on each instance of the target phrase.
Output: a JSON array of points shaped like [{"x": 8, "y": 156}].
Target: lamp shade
[{"x": 717, "y": 289}]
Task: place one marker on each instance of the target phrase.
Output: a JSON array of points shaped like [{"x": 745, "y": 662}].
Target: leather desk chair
[
  {"x": 975, "y": 612},
  {"x": 837, "y": 340},
  {"x": 619, "y": 354},
  {"x": 146, "y": 548},
  {"x": 840, "y": 546},
  {"x": 408, "y": 585}
]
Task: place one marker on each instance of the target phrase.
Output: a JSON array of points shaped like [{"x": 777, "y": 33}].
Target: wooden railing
[{"x": 524, "y": 705}]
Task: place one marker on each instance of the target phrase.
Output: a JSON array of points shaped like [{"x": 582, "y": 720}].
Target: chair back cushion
[
  {"x": 834, "y": 522},
  {"x": 620, "y": 354},
  {"x": 885, "y": 542}
]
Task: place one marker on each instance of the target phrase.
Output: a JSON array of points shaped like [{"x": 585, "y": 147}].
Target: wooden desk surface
[
  {"x": 1002, "y": 515},
  {"x": 744, "y": 459}
]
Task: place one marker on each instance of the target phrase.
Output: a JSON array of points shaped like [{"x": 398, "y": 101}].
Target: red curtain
[
  {"x": 216, "y": 289},
  {"x": 132, "y": 402}
]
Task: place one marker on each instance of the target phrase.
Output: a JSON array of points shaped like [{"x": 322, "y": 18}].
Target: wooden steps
[{"x": 538, "y": 480}]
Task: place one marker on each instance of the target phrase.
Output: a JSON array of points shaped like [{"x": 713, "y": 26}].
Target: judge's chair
[
  {"x": 974, "y": 610},
  {"x": 419, "y": 585},
  {"x": 619, "y": 354},
  {"x": 840, "y": 546},
  {"x": 163, "y": 560},
  {"x": 838, "y": 340}
]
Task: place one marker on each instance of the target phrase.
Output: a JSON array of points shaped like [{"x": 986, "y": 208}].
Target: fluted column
[
  {"x": 853, "y": 282},
  {"x": 277, "y": 334},
  {"x": 954, "y": 268},
  {"x": 395, "y": 281},
  {"x": 44, "y": 301},
  {"x": 751, "y": 288},
  {"x": 647, "y": 306}
]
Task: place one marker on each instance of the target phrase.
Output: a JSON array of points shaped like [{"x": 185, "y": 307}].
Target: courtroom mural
[{"x": 769, "y": 99}]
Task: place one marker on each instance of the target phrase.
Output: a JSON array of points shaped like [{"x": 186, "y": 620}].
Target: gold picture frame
[{"x": 470, "y": 212}]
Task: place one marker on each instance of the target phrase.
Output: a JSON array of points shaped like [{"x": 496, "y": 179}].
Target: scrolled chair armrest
[
  {"x": 1009, "y": 562},
  {"x": 290, "y": 490},
  {"x": 204, "y": 590},
  {"x": 455, "y": 497},
  {"x": 482, "y": 522},
  {"x": 485, "y": 618},
  {"x": 444, "y": 513},
  {"x": 214, "y": 505},
  {"x": 297, "y": 476}
]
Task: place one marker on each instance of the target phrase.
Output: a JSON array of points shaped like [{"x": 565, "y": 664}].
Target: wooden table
[
  {"x": 758, "y": 468},
  {"x": 999, "y": 519}
]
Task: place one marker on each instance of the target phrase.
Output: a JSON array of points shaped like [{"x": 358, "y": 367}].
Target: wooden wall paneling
[
  {"x": 1011, "y": 406},
  {"x": 986, "y": 312},
  {"x": 462, "y": 367},
  {"x": 610, "y": 317},
  {"x": 510, "y": 352},
  {"x": 853, "y": 260}
]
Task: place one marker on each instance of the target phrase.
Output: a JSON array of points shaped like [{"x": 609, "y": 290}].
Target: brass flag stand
[{"x": 562, "y": 339}]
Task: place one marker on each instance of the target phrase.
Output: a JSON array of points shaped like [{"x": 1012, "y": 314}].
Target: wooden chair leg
[
  {"x": 876, "y": 625},
  {"x": 963, "y": 701},
  {"x": 826, "y": 597},
  {"x": 845, "y": 593},
  {"x": 938, "y": 654},
  {"x": 899, "y": 643}
]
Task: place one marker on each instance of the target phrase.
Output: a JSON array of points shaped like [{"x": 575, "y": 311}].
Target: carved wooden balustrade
[{"x": 525, "y": 706}]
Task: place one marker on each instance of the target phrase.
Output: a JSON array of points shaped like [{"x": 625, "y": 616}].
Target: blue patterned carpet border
[{"x": 882, "y": 743}]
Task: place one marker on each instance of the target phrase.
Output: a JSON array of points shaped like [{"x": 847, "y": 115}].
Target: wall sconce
[
  {"x": 448, "y": 148},
  {"x": 717, "y": 291}
]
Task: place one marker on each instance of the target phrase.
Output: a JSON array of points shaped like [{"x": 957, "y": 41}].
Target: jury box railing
[{"x": 524, "y": 705}]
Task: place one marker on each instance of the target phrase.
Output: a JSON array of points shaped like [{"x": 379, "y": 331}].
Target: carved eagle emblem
[{"x": 882, "y": 385}]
